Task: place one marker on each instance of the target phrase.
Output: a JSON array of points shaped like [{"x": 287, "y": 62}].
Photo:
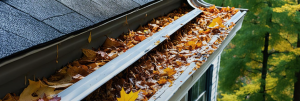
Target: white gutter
[
  {"x": 186, "y": 80},
  {"x": 84, "y": 87}
]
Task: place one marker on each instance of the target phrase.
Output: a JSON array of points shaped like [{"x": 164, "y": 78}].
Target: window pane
[
  {"x": 198, "y": 88},
  {"x": 201, "y": 99}
]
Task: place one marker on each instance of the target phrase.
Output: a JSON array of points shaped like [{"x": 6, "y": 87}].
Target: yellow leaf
[
  {"x": 169, "y": 71},
  {"x": 38, "y": 88},
  {"x": 171, "y": 82},
  {"x": 191, "y": 44},
  {"x": 179, "y": 47},
  {"x": 44, "y": 89},
  {"x": 178, "y": 63},
  {"x": 128, "y": 97},
  {"x": 216, "y": 22},
  {"x": 162, "y": 81},
  {"x": 155, "y": 72},
  {"x": 26, "y": 95},
  {"x": 90, "y": 37}
]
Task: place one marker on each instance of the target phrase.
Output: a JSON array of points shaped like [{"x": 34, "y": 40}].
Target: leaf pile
[
  {"x": 194, "y": 42},
  {"x": 93, "y": 60},
  {"x": 35, "y": 91}
]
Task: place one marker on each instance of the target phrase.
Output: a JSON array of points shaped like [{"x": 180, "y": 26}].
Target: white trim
[{"x": 202, "y": 94}]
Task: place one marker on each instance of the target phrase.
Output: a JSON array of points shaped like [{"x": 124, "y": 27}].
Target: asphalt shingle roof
[{"x": 26, "y": 23}]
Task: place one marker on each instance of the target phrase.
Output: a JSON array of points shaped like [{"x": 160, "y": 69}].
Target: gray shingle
[
  {"x": 142, "y": 2},
  {"x": 117, "y": 6},
  {"x": 69, "y": 22},
  {"x": 99, "y": 10},
  {"x": 32, "y": 22},
  {"x": 24, "y": 25},
  {"x": 126, "y": 4},
  {"x": 87, "y": 8},
  {"x": 11, "y": 43},
  {"x": 40, "y": 9}
]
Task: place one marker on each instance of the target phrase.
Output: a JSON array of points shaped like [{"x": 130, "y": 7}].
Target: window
[{"x": 201, "y": 90}]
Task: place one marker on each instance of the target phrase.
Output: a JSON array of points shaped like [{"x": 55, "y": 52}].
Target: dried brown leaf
[
  {"x": 89, "y": 53},
  {"x": 112, "y": 43}
]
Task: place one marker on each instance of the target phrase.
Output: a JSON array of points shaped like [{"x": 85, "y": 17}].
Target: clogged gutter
[
  {"x": 92, "y": 60},
  {"x": 192, "y": 43}
]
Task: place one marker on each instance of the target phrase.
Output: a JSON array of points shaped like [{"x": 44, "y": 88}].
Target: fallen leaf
[
  {"x": 65, "y": 85},
  {"x": 60, "y": 83},
  {"x": 199, "y": 45},
  {"x": 44, "y": 98},
  {"x": 191, "y": 44},
  {"x": 139, "y": 38},
  {"x": 178, "y": 63},
  {"x": 39, "y": 89},
  {"x": 155, "y": 72},
  {"x": 89, "y": 53},
  {"x": 111, "y": 43},
  {"x": 169, "y": 71},
  {"x": 44, "y": 90},
  {"x": 217, "y": 22},
  {"x": 162, "y": 81},
  {"x": 187, "y": 64},
  {"x": 144, "y": 92},
  {"x": 74, "y": 70},
  {"x": 26, "y": 95},
  {"x": 128, "y": 97}
]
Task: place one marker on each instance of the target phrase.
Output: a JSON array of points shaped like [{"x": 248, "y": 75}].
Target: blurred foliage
[{"x": 241, "y": 64}]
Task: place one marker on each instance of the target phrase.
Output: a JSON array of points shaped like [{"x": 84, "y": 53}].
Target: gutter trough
[
  {"x": 189, "y": 76},
  {"x": 84, "y": 87},
  {"x": 39, "y": 63}
]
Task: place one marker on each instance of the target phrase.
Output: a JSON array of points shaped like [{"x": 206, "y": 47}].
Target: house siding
[{"x": 215, "y": 78}]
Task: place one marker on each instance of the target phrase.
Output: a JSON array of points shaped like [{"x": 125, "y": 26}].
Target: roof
[{"x": 27, "y": 23}]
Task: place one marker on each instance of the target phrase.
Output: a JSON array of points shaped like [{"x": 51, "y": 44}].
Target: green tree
[{"x": 262, "y": 60}]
